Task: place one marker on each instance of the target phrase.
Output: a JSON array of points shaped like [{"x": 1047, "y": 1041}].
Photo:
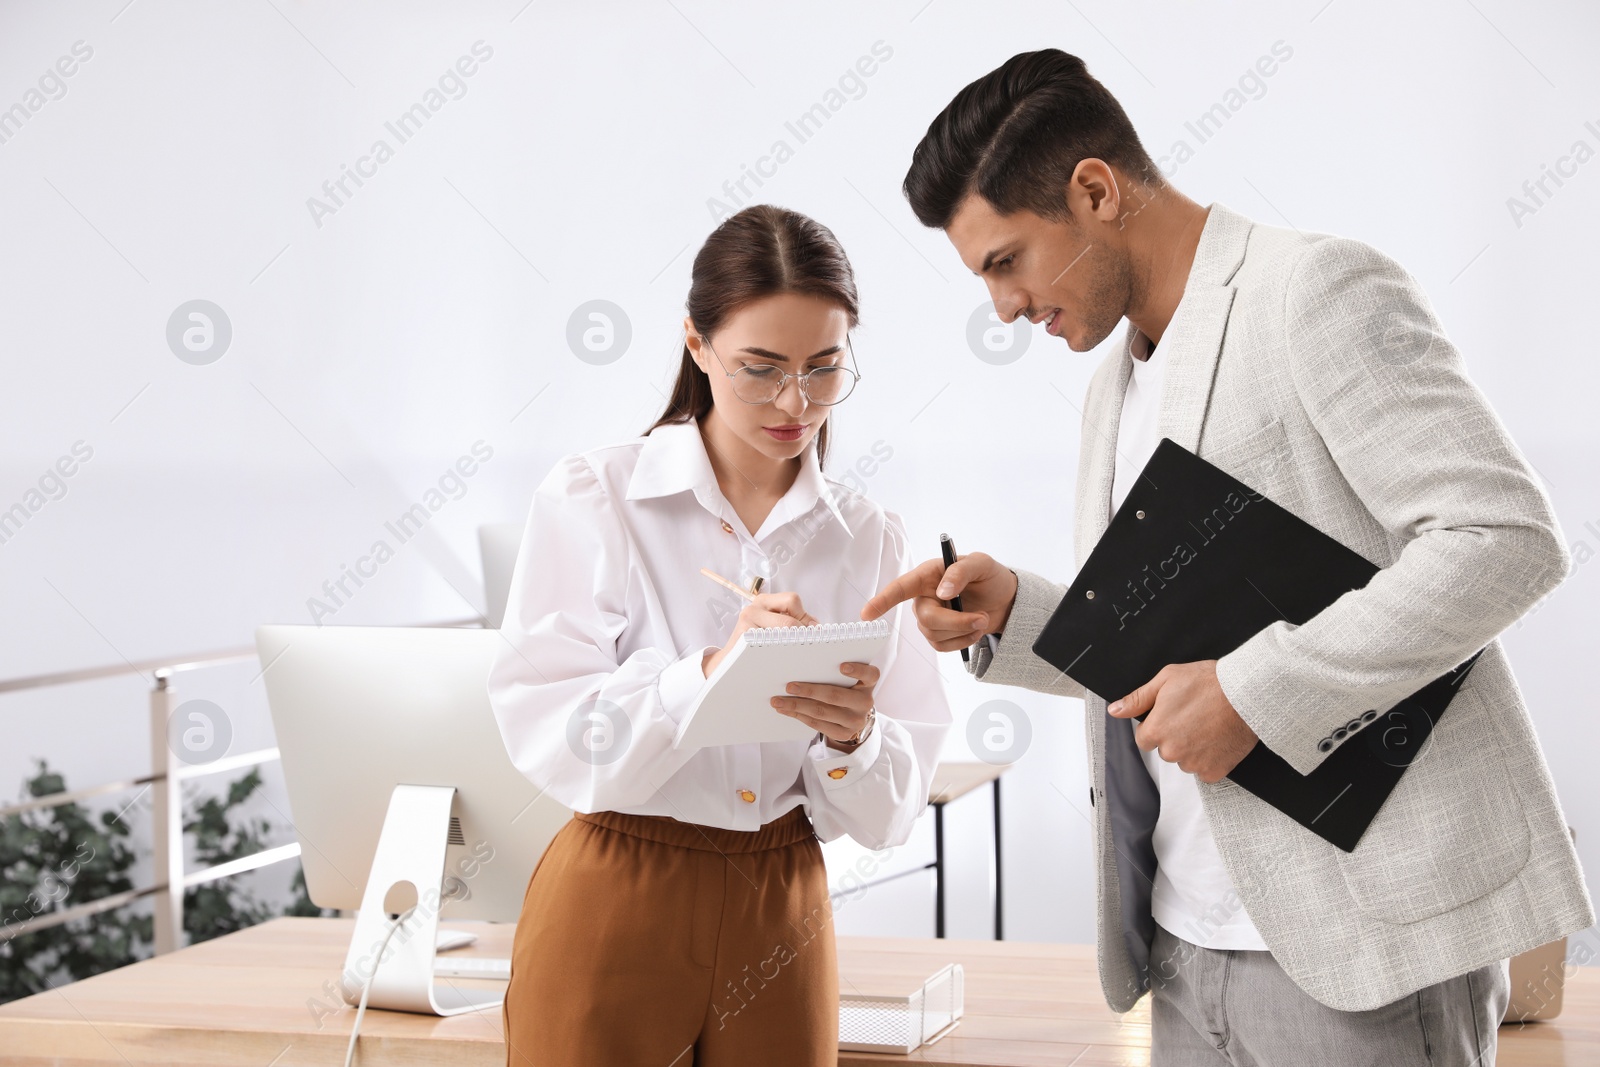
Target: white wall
[{"x": 372, "y": 347}]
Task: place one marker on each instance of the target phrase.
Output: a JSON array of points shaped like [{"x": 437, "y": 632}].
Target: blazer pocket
[{"x": 1452, "y": 830}]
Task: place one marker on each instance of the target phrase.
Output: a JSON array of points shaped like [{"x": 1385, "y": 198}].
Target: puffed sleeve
[
  {"x": 592, "y": 729},
  {"x": 886, "y": 781}
]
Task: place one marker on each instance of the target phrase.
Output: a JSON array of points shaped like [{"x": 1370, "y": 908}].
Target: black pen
[{"x": 947, "y": 548}]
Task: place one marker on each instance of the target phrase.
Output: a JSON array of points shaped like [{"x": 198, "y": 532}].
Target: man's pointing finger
[{"x": 918, "y": 581}]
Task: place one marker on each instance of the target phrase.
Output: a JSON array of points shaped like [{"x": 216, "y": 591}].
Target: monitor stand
[{"x": 411, "y": 849}]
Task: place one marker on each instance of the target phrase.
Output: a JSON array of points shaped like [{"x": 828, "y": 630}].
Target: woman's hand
[
  {"x": 840, "y": 712},
  {"x": 767, "y": 609}
]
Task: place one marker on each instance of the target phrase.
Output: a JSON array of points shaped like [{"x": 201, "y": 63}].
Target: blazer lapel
[
  {"x": 1194, "y": 336},
  {"x": 1194, "y": 342}
]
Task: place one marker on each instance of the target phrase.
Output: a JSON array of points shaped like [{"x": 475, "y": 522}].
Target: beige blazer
[{"x": 1313, "y": 368}]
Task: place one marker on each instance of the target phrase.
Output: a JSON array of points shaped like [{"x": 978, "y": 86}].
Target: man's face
[{"x": 1072, "y": 276}]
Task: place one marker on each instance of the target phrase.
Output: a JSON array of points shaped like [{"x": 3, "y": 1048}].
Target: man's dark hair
[{"x": 1015, "y": 136}]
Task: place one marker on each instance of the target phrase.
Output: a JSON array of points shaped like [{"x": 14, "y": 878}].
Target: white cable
[{"x": 361, "y": 1009}]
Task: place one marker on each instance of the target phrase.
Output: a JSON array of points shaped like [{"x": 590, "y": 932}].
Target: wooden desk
[
  {"x": 242, "y": 1000},
  {"x": 954, "y": 780}
]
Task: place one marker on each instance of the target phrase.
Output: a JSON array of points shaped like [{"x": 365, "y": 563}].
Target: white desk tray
[{"x": 905, "y": 1022}]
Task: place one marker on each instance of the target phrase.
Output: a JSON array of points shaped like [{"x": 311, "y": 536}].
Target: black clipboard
[{"x": 1192, "y": 565}]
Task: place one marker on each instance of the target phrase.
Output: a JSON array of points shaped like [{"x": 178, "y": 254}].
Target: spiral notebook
[{"x": 734, "y": 707}]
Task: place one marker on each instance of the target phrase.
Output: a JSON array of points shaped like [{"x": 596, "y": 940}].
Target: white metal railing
[{"x": 165, "y": 780}]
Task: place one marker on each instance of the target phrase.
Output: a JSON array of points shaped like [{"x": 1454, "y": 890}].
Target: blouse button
[
  {"x": 747, "y": 796},
  {"x": 725, "y": 527},
  {"x": 838, "y": 772}
]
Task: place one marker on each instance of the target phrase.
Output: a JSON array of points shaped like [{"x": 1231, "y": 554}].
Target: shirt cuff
[
  {"x": 983, "y": 654},
  {"x": 680, "y": 683},
  {"x": 836, "y": 769}
]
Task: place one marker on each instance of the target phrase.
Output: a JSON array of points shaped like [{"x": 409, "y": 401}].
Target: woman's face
[{"x": 791, "y": 331}]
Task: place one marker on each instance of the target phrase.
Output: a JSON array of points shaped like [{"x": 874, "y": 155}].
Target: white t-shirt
[{"x": 1193, "y": 895}]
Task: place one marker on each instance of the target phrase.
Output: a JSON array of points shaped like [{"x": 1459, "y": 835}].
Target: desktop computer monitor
[
  {"x": 390, "y": 749},
  {"x": 359, "y": 710}
]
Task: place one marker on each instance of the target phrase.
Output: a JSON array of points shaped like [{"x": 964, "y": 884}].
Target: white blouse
[{"x": 609, "y": 616}]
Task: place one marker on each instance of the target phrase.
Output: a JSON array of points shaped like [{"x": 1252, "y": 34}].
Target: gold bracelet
[{"x": 860, "y": 735}]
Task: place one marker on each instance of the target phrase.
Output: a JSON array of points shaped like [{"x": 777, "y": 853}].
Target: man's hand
[
  {"x": 987, "y": 590},
  {"x": 1191, "y": 721}
]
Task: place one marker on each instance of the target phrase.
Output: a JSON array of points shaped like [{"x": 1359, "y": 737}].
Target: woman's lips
[{"x": 785, "y": 433}]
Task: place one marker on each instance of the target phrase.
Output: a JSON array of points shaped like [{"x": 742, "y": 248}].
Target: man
[{"x": 1312, "y": 368}]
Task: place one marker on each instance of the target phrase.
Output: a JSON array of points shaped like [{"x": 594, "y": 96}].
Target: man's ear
[{"x": 1092, "y": 192}]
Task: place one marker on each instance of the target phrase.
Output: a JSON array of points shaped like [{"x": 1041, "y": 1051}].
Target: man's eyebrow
[
  {"x": 988, "y": 261},
  {"x": 784, "y": 359}
]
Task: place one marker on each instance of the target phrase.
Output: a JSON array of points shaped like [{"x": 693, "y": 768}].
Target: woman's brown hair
[{"x": 759, "y": 252}]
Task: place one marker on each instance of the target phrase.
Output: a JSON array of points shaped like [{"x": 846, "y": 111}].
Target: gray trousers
[{"x": 1236, "y": 1008}]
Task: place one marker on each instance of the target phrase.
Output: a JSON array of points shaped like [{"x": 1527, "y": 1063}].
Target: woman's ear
[{"x": 691, "y": 341}]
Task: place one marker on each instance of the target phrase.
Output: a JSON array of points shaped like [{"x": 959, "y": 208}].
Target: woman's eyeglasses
[{"x": 760, "y": 383}]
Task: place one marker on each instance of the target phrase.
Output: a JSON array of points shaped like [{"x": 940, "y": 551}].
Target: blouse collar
[{"x": 674, "y": 460}]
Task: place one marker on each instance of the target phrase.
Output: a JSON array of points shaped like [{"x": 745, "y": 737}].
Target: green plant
[
  {"x": 60, "y": 857},
  {"x": 223, "y": 906},
  {"x": 46, "y": 857}
]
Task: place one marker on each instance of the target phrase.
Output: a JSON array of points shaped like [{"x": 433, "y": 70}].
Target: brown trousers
[{"x": 652, "y": 942}]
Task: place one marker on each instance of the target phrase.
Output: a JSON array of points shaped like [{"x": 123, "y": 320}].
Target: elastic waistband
[{"x": 787, "y": 829}]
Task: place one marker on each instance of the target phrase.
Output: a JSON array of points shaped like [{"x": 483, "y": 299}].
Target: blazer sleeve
[
  {"x": 588, "y": 725},
  {"x": 1009, "y": 659},
  {"x": 1427, "y": 457},
  {"x": 886, "y": 781}
]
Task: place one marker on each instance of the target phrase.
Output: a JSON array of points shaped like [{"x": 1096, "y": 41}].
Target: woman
[{"x": 686, "y": 904}]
